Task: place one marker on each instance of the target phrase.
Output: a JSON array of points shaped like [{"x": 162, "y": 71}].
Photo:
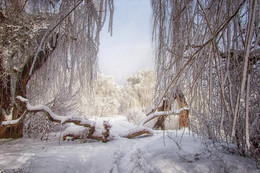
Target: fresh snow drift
[{"x": 165, "y": 151}]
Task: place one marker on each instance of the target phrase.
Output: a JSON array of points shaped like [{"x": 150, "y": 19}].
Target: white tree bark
[
  {"x": 250, "y": 30},
  {"x": 247, "y": 112}
]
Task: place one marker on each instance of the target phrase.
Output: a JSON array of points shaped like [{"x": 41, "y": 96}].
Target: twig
[{"x": 179, "y": 147}]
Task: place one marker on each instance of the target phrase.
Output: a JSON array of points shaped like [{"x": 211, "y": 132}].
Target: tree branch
[
  {"x": 80, "y": 121},
  {"x": 48, "y": 32},
  {"x": 141, "y": 129}
]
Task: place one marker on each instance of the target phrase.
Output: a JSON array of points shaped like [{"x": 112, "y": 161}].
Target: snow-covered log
[
  {"x": 138, "y": 131},
  {"x": 80, "y": 132},
  {"x": 141, "y": 129},
  {"x": 80, "y": 121},
  {"x": 97, "y": 133}
]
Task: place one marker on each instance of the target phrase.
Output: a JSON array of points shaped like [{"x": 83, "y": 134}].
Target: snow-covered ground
[{"x": 168, "y": 151}]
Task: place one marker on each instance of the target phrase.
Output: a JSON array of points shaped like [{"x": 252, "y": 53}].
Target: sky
[{"x": 130, "y": 48}]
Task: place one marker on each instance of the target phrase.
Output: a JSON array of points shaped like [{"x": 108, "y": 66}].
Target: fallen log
[
  {"x": 138, "y": 131},
  {"x": 103, "y": 134},
  {"x": 141, "y": 129},
  {"x": 83, "y": 133},
  {"x": 80, "y": 121}
]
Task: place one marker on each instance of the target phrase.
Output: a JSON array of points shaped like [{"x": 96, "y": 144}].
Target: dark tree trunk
[
  {"x": 8, "y": 104},
  {"x": 184, "y": 115}
]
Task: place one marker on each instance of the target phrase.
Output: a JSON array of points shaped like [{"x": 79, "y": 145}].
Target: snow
[
  {"x": 74, "y": 129},
  {"x": 165, "y": 151}
]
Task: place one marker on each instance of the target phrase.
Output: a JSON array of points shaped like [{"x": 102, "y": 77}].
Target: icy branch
[
  {"x": 141, "y": 129},
  {"x": 160, "y": 113},
  {"x": 10, "y": 123},
  {"x": 80, "y": 121}
]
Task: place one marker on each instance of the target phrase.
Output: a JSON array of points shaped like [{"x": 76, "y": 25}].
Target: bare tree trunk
[
  {"x": 161, "y": 120},
  {"x": 245, "y": 64},
  {"x": 247, "y": 113},
  {"x": 184, "y": 116},
  {"x": 10, "y": 107},
  {"x": 16, "y": 108},
  {"x": 14, "y": 80}
]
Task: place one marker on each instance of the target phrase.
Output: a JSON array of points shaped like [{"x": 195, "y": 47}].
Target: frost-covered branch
[
  {"x": 10, "y": 123},
  {"x": 161, "y": 113},
  {"x": 141, "y": 129},
  {"x": 80, "y": 121},
  {"x": 47, "y": 33}
]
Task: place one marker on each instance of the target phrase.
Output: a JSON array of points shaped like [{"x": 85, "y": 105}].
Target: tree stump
[{"x": 160, "y": 121}]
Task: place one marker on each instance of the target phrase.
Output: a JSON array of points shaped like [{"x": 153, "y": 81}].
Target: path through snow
[{"x": 152, "y": 154}]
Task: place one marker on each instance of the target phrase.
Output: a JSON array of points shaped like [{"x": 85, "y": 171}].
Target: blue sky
[{"x": 130, "y": 48}]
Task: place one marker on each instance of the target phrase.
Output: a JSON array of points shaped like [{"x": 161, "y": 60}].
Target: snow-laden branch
[
  {"x": 98, "y": 133},
  {"x": 10, "y": 123},
  {"x": 82, "y": 121},
  {"x": 141, "y": 129},
  {"x": 161, "y": 113}
]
